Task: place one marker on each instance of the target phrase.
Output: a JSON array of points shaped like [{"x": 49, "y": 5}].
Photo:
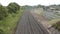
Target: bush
[
  {"x": 56, "y": 23},
  {"x": 11, "y": 8},
  {"x": 3, "y": 12},
  {"x": 1, "y": 31}
]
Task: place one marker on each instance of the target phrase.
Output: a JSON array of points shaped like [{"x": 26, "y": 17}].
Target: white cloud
[{"x": 30, "y": 2}]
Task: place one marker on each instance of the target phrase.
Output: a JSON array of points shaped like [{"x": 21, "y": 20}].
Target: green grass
[
  {"x": 9, "y": 23},
  {"x": 55, "y": 23}
]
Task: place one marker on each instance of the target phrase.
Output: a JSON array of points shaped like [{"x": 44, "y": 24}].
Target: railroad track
[{"x": 28, "y": 25}]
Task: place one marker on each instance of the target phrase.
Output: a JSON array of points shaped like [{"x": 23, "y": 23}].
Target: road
[{"x": 28, "y": 25}]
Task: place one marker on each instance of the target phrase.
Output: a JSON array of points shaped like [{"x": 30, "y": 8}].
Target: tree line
[{"x": 6, "y": 10}]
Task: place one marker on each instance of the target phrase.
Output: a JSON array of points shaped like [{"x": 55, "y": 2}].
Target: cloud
[{"x": 30, "y": 2}]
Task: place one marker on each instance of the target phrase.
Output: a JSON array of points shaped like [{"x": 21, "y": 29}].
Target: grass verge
[
  {"x": 9, "y": 23},
  {"x": 55, "y": 23}
]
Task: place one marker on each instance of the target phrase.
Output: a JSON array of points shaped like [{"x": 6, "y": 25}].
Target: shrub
[
  {"x": 56, "y": 23},
  {"x": 1, "y": 31},
  {"x": 3, "y": 12}
]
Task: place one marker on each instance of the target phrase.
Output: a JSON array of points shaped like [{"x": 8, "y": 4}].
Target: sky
[{"x": 30, "y": 2}]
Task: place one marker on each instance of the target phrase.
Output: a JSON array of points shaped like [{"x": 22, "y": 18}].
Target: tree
[
  {"x": 13, "y": 7},
  {"x": 3, "y": 12}
]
